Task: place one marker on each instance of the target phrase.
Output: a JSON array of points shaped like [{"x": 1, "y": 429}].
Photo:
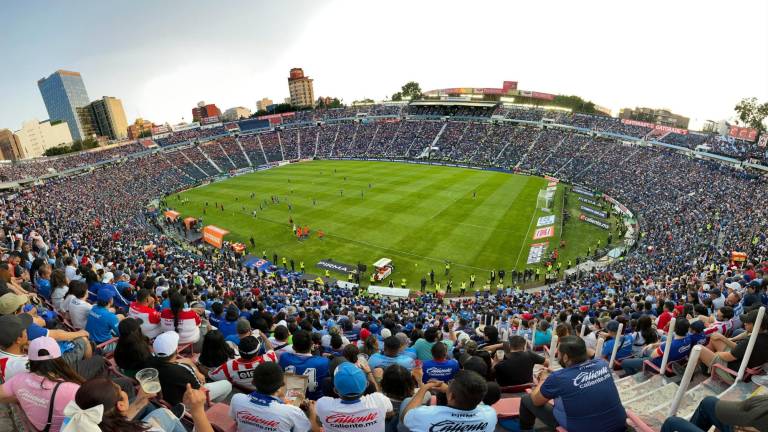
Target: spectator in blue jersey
[
  {"x": 228, "y": 326},
  {"x": 586, "y": 398},
  {"x": 625, "y": 342},
  {"x": 217, "y": 314},
  {"x": 679, "y": 349},
  {"x": 102, "y": 322},
  {"x": 243, "y": 329},
  {"x": 696, "y": 335},
  {"x": 302, "y": 362},
  {"x": 440, "y": 367},
  {"x": 392, "y": 355},
  {"x": 43, "y": 281}
]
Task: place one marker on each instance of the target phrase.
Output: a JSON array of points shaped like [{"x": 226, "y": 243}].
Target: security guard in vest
[
  {"x": 402, "y": 283},
  {"x": 373, "y": 279},
  {"x": 301, "y": 266},
  {"x": 472, "y": 281},
  {"x": 350, "y": 276},
  {"x": 463, "y": 287},
  {"x": 327, "y": 273},
  {"x": 538, "y": 273},
  {"x": 285, "y": 263},
  {"x": 447, "y": 268}
]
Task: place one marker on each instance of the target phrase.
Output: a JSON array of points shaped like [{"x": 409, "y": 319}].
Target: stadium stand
[{"x": 101, "y": 227}]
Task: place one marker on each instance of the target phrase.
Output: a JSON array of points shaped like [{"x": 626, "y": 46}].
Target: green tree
[
  {"x": 411, "y": 90},
  {"x": 145, "y": 133},
  {"x": 397, "y": 96},
  {"x": 751, "y": 113}
]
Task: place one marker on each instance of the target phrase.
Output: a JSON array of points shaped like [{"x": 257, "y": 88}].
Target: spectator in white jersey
[
  {"x": 465, "y": 410},
  {"x": 353, "y": 410},
  {"x": 265, "y": 409}
]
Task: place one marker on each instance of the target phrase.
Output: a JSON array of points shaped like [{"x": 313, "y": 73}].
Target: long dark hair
[
  {"x": 177, "y": 304},
  {"x": 58, "y": 278},
  {"x": 216, "y": 351},
  {"x": 55, "y": 370},
  {"x": 645, "y": 328},
  {"x": 96, "y": 392},
  {"x": 132, "y": 350}
]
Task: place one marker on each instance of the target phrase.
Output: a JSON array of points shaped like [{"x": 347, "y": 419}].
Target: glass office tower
[{"x": 63, "y": 92}]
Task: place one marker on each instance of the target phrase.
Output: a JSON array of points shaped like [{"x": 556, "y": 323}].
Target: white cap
[
  {"x": 108, "y": 276},
  {"x": 385, "y": 333},
  {"x": 166, "y": 344}
]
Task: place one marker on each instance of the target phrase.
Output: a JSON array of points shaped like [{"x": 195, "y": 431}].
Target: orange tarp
[
  {"x": 214, "y": 235},
  {"x": 188, "y": 222},
  {"x": 238, "y": 247},
  {"x": 172, "y": 214}
]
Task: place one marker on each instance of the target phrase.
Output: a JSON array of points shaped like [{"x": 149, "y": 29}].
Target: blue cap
[
  {"x": 105, "y": 295},
  {"x": 349, "y": 380},
  {"x": 330, "y": 323},
  {"x": 374, "y": 328}
]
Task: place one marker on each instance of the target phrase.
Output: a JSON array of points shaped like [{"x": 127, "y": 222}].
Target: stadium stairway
[
  {"x": 213, "y": 164},
  {"x": 237, "y": 140},
  {"x": 530, "y": 147}
]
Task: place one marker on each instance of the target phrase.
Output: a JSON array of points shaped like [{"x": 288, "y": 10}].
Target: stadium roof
[{"x": 454, "y": 103}]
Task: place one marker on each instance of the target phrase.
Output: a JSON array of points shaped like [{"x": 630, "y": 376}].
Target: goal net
[{"x": 545, "y": 199}]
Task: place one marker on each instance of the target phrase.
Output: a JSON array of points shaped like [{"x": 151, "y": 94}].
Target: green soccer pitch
[{"x": 419, "y": 216}]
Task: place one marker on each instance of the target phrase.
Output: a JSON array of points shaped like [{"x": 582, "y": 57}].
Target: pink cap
[{"x": 44, "y": 348}]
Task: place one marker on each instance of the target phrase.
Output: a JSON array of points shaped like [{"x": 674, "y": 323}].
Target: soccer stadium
[{"x": 448, "y": 260}]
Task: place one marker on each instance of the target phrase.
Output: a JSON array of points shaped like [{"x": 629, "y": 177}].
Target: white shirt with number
[
  {"x": 443, "y": 418},
  {"x": 368, "y": 414},
  {"x": 261, "y": 413}
]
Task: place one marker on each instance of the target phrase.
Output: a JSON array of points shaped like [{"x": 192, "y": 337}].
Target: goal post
[{"x": 545, "y": 200}]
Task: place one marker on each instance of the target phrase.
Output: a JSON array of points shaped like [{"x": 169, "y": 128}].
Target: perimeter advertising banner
[
  {"x": 653, "y": 126},
  {"x": 595, "y": 212},
  {"x": 742, "y": 133},
  {"x": 546, "y": 220},
  {"x": 763, "y": 140},
  {"x": 335, "y": 266},
  {"x": 593, "y": 221},
  {"x": 590, "y": 202},
  {"x": 544, "y": 232},
  {"x": 582, "y": 191},
  {"x": 537, "y": 252},
  {"x": 387, "y": 291}
]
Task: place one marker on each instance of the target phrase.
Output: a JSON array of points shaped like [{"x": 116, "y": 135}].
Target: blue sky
[{"x": 697, "y": 58}]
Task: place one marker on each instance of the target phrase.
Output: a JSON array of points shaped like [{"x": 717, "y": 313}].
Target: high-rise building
[
  {"x": 236, "y": 113},
  {"x": 88, "y": 126},
  {"x": 9, "y": 146},
  {"x": 263, "y": 104},
  {"x": 203, "y": 110},
  {"x": 36, "y": 137},
  {"x": 301, "y": 90},
  {"x": 139, "y": 127},
  {"x": 63, "y": 92},
  {"x": 109, "y": 117}
]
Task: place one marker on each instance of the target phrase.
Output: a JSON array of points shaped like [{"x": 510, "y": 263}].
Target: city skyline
[{"x": 706, "y": 57}]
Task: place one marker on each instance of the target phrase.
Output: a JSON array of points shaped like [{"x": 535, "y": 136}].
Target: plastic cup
[
  {"x": 149, "y": 379},
  {"x": 499, "y": 355}
]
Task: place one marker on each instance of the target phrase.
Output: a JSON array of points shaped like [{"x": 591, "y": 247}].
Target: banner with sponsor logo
[
  {"x": 593, "y": 221},
  {"x": 763, "y": 140},
  {"x": 546, "y": 220},
  {"x": 582, "y": 191},
  {"x": 214, "y": 235},
  {"x": 537, "y": 252},
  {"x": 657, "y": 127},
  {"x": 551, "y": 184},
  {"x": 598, "y": 213},
  {"x": 590, "y": 202},
  {"x": 387, "y": 291},
  {"x": 742, "y": 133},
  {"x": 335, "y": 266},
  {"x": 544, "y": 232}
]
